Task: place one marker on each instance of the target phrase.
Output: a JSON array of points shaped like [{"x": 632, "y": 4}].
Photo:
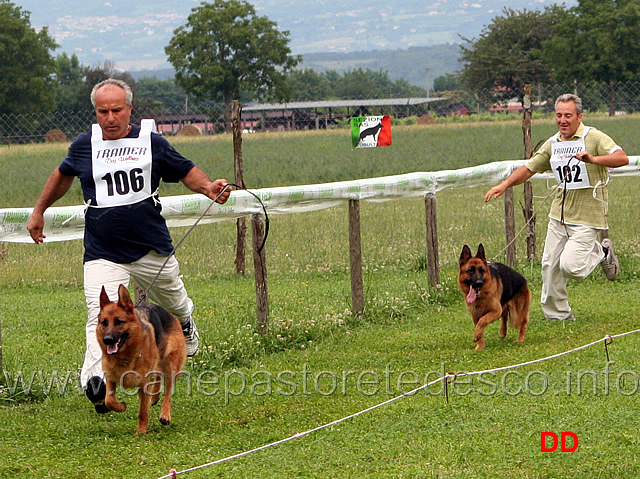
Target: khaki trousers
[{"x": 570, "y": 252}]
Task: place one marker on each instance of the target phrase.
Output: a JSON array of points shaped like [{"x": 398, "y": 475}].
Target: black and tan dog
[
  {"x": 492, "y": 291},
  {"x": 142, "y": 347}
]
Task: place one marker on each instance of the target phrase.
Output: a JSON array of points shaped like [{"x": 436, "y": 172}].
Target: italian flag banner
[{"x": 370, "y": 131}]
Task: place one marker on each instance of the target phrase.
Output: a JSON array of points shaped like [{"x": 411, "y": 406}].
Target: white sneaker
[
  {"x": 610, "y": 264},
  {"x": 571, "y": 317},
  {"x": 191, "y": 336}
]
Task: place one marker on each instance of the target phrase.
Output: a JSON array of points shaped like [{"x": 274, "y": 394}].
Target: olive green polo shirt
[{"x": 580, "y": 206}]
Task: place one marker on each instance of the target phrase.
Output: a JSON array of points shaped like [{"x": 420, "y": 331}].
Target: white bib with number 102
[{"x": 566, "y": 167}]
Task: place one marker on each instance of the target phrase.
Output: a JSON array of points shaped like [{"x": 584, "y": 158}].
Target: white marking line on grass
[{"x": 175, "y": 473}]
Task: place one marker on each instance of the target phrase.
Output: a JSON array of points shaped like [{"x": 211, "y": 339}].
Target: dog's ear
[
  {"x": 465, "y": 255},
  {"x": 480, "y": 253},
  {"x": 104, "y": 298},
  {"x": 124, "y": 299}
]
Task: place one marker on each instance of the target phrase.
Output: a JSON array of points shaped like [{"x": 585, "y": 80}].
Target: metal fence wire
[{"x": 208, "y": 119}]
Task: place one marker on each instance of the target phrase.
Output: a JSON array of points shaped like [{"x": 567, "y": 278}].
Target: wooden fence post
[
  {"x": 528, "y": 189},
  {"x": 241, "y": 225},
  {"x": 509, "y": 227},
  {"x": 4, "y": 251},
  {"x": 260, "y": 266},
  {"x": 433, "y": 262},
  {"x": 355, "y": 258},
  {"x": 529, "y": 217}
]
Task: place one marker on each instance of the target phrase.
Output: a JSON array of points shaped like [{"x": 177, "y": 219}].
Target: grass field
[{"x": 319, "y": 363}]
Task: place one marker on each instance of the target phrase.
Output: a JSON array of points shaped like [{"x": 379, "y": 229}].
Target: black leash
[
  {"x": 566, "y": 172},
  {"x": 143, "y": 296},
  {"x": 564, "y": 183}
]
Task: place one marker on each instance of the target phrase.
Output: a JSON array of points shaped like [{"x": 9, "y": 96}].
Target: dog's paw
[
  {"x": 165, "y": 421},
  {"x": 480, "y": 346},
  {"x": 116, "y": 406}
]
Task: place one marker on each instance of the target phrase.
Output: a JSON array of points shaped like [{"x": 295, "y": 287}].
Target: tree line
[
  {"x": 594, "y": 41},
  {"x": 212, "y": 55},
  {"x": 226, "y": 51}
]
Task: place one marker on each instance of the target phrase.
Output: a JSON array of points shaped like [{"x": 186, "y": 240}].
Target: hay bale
[
  {"x": 426, "y": 120},
  {"x": 55, "y": 136},
  {"x": 190, "y": 130}
]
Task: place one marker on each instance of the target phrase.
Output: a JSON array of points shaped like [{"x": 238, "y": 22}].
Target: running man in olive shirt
[{"x": 579, "y": 157}]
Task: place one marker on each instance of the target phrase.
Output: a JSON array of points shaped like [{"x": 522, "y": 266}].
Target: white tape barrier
[{"x": 67, "y": 222}]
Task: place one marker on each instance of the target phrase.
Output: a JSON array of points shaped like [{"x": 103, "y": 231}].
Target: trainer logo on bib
[{"x": 123, "y": 151}]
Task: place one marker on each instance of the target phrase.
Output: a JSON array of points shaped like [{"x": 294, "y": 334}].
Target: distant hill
[
  {"x": 409, "y": 64},
  {"x": 133, "y": 35},
  {"x": 160, "y": 73}
]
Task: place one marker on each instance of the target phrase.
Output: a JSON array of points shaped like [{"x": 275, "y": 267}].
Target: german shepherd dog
[
  {"x": 492, "y": 291},
  {"x": 372, "y": 131},
  {"x": 142, "y": 347}
]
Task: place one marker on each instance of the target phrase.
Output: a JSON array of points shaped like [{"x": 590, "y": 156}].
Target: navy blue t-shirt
[{"x": 124, "y": 234}]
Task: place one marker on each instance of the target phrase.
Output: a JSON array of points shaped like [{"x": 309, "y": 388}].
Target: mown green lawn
[{"x": 319, "y": 364}]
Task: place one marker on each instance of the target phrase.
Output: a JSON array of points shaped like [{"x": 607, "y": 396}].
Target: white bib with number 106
[{"x": 122, "y": 168}]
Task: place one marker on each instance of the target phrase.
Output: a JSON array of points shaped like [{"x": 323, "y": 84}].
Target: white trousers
[
  {"x": 570, "y": 252},
  {"x": 168, "y": 291}
]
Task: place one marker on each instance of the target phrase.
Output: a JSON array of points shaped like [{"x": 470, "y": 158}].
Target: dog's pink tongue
[
  {"x": 471, "y": 297},
  {"x": 113, "y": 348}
]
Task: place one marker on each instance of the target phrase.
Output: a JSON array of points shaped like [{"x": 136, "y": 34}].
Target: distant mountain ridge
[
  {"x": 134, "y": 34},
  {"x": 408, "y": 64}
]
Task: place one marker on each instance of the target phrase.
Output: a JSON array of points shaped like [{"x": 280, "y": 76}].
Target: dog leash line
[
  {"x": 193, "y": 226},
  {"x": 531, "y": 218}
]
